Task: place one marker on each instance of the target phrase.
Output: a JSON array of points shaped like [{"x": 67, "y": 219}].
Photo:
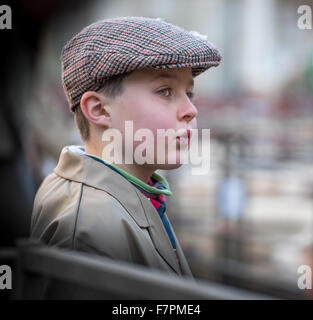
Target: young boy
[{"x": 116, "y": 72}]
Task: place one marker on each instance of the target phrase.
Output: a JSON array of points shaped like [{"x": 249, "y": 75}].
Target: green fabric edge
[{"x": 140, "y": 183}]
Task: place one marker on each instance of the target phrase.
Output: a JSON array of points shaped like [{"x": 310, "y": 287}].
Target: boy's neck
[{"x": 139, "y": 171}]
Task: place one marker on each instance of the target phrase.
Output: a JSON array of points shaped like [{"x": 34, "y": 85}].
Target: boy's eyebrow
[{"x": 171, "y": 76}]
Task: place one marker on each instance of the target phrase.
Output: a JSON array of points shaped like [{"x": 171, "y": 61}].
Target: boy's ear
[{"x": 96, "y": 109}]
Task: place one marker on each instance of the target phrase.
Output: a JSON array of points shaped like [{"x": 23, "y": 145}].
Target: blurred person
[
  {"x": 18, "y": 178},
  {"x": 116, "y": 70}
]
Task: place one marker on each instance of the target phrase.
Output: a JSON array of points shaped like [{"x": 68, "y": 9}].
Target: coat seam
[{"x": 76, "y": 218}]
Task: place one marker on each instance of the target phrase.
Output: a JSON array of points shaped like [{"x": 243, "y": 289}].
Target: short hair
[{"x": 111, "y": 88}]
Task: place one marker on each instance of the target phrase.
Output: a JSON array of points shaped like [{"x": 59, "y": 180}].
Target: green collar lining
[{"x": 138, "y": 182}]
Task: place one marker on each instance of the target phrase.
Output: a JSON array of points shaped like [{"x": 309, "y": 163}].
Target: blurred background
[{"x": 249, "y": 221}]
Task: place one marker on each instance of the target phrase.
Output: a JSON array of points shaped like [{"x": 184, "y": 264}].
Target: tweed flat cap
[{"x": 120, "y": 45}]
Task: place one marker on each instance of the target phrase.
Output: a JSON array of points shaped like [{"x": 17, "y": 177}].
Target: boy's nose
[{"x": 187, "y": 111}]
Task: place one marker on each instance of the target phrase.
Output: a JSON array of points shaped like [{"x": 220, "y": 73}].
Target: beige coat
[{"x": 84, "y": 205}]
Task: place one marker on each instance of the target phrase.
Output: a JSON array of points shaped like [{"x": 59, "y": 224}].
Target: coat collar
[{"x": 81, "y": 168}]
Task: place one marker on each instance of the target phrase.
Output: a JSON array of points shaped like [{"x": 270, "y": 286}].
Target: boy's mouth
[{"x": 184, "y": 139}]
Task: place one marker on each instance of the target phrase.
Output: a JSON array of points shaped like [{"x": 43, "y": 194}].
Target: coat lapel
[
  {"x": 158, "y": 233},
  {"x": 185, "y": 269}
]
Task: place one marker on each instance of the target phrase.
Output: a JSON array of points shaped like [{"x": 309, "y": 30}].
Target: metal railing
[{"x": 37, "y": 264}]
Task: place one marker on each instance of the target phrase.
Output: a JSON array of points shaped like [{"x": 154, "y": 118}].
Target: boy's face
[{"x": 157, "y": 99}]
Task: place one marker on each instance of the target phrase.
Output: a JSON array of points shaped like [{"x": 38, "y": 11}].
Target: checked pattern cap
[{"x": 120, "y": 45}]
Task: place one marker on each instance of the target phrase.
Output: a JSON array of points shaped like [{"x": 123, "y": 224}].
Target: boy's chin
[
  {"x": 167, "y": 166},
  {"x": 171, "y": 162}
]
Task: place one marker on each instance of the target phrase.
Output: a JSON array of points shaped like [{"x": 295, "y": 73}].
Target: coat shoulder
[
  {"x": 76, "y": 216},
  {"x": 55, "y": 209}
]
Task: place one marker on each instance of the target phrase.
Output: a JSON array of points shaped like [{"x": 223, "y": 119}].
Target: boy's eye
[
  {"x": 191, "y": 95},
  {"x": 165, "y": 92}
]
